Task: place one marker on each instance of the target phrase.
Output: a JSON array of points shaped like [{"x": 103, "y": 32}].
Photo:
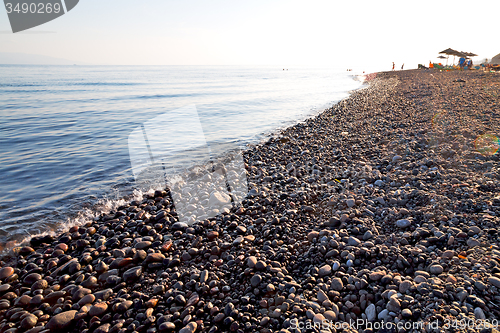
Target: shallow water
[{"x": 64, "y": 130}]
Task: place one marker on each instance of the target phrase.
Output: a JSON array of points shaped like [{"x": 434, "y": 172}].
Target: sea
[{"x": 67, "y": 147}]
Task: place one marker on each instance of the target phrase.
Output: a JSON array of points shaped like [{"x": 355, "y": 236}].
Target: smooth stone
[
  {"x": 211, "y": 235},
  {"x": 318, "y": 318},
  {"x": 375, "y": 276},
  {"x": 29, "y": 322},
  {"x": 406, "y": 313},
  {"x": 5, "y": 272},
  {"x": 79, "y": 293},
  {"x": 448, "y": 254},
  {"x": 204, "y": 276},
  {"x": 154, "y": 257},
  {"x": 104, "y": 328},
  {"x": 480, "y": 285},
  {"x": 251, "y": 261},
  {"x": 122, "y": 306},
  {"x": 218, "y": 199},
  {"x": 140, "y": 255},
  {"x": 422, "y": 273},
  {"x": 61, "y": 321},
  {"x": 337, "y": 284},
  {"x": 260, "y": 265},
  {"x": 132, "y": 274},
  {"x": 325, "y": 270},
  {"x": 98, "y": 309},
  {"x": 312, "y": 235},
  {"x": 371, "y": 312},
  {"x": 32, "y": 278},
  {"x": 321, "y": 296},
  {"x": 103, "y": 294},
  {"x": 479, "y": 314},
  {"x": 54, "y": 296},
  {"x": 462, "y": 295},
  {"x": 451, "y": 279},
  {"x": 189, "y": 328},
  {"x": 256, "y": 280},
  {"x": 238, "y": 240},
  {"x": 393, "y": 305},
  {"x": 253, "y": 192},
  {"x": 330, "y": 315},
  {"x": 384, "y": 315},
  {"x": 22, "y": 301},
  {"x": 404, "y": 286},
  {"x": 36, "y": 300},
  {"x": 142, "y": 245},
  {"x": 336, "y": 265},
  {"x": 493, "y": 280},
  {"x": 403, "y": 223},
  {"x": 471, "y": 242},
  {"x": 475, "y": 230},
  {"x": 167, "y": 327},
  {"x": 353, "y": 241},
  {"x": 436, "y": 269},
  {"x": 40, "y": 284},
  {"x": 179, "y": 226},
  {"x": 101, "y": 267},
  {"x": 87, "y": 299},
  {"x": 350, "y": 203}
]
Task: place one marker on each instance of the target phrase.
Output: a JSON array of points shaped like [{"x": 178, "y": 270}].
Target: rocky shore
[{"x": 383, "y": 209}]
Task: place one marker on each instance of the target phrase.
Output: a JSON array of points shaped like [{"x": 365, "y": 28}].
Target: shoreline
[
  {"x": 33, "y": 211},
  {"x": 379, "y": 208}
]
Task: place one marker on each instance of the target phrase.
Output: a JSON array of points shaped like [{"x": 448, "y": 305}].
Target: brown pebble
[
  {"x": 98, "y": 309},
  {"x": 6, "y": 272},
  {"x": 61, "y": 321},
  {"x": 211, "y": 235}
]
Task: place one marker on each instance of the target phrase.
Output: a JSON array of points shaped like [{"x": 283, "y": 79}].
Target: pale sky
[{"x": 369, "y": 34}]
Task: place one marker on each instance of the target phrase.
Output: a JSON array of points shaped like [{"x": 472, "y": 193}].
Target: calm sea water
[{"x": 64, "y": 129}]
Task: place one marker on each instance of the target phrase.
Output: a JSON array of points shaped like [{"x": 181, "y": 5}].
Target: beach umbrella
[
  {"x": 441, "y": 57},
  {"x": 449, "y": 52}
]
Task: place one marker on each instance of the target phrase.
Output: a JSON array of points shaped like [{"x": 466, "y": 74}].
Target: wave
[
  {"x": 86, "y": 214},
  {"x": 104, "y": 84}
]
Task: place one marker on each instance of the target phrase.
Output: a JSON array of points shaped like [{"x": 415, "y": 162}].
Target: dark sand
[{"x": 384, "y": 207}]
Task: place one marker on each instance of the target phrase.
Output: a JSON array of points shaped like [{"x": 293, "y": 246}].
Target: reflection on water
[{"x": 64, "y": 130}]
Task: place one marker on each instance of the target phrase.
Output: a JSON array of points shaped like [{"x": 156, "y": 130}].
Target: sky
[{"x": 351, "y": 34}]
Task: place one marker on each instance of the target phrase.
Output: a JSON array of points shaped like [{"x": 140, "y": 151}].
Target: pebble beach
[{"x": 380, "y": 214}]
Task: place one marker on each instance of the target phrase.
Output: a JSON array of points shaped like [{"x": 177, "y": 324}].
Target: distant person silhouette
[
  {"x": 393, "y": 65},
  {"x": 403, "y": 65}
]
